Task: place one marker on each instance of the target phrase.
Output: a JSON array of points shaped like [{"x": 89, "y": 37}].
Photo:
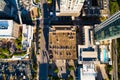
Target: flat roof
[
  {"x": 68, "y": 7},
  {"x": 27, "y": 35},
  {"x": 6, "y": 28},
  {"x": 89, "y": 54},
  {"x": 88, "y": 72},
  {"x": 62, "y": 44}
]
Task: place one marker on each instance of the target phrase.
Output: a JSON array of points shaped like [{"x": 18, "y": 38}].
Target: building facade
[{"x": 109, "y": 29}]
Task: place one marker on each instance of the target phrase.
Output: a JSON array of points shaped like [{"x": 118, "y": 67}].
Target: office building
[
  {"x": 87, "y": 52},
  {"x": 62, "y": 42},
  {"x": 8, "y": 29},
  {"x": 68, "y": 7},
  {"x": 88, "y": 72},
  {"x": 87, "y": 56},
  {"x": 109, "y": 29}
]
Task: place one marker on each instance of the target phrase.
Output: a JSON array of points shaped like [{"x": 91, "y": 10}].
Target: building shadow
[
  {"x": 10, "y": 11},
  {"x": 7, "y": 10},
  {"x": 46, "y": 23},
  {"x": 26, "y": 18},
  {"x": 43, "y": 71},
  {"x": 62, "y": 20},
  {"x": 91, "y": 12}
]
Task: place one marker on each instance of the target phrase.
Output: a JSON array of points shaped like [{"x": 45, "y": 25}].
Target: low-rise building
[
  {"x": 62, "y": 42},
  {"x": 8, "y": 29}
]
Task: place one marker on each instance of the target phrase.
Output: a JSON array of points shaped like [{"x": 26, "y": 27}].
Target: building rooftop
[
  {"x": 61, "y": 64},
  {"x": 27, "y": 36},
  {"x": 87, "y": 52},
  {"x": 34, "y": 12},
  {"x": 68, "y": 7},
  {"x": 6, "y": 28},
  {"x": 16, "y": 30},
  {"x": 88, "y": 72},
  {"x": 62, "y": 42}
]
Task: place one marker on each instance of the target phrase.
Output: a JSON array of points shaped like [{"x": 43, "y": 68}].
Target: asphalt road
[{"x": 42, "y": 58}]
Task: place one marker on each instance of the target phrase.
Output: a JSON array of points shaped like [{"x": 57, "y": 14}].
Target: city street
[{"x": 42, "y": 57}]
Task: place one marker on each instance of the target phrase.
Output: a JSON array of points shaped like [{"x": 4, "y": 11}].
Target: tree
[
  {"x": 38, "y": 53},
  {"x": 36, "y": 1},
  {"x": 70, "y": 78},
  {"x": 71, "y": 68},
  {"x": 56, "y": 70},
  {"x": 109, "y": 68},
  {"x": 50, "y": 77},
  {"x": 114, "y": 7},
  {"x": 49, "y": 1},
  {"x": 77, "y": 30},
  {"x": 39, "y": 47}
]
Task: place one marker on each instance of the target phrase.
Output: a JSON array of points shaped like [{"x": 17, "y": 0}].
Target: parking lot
[{"x": 16, "y": 70}]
